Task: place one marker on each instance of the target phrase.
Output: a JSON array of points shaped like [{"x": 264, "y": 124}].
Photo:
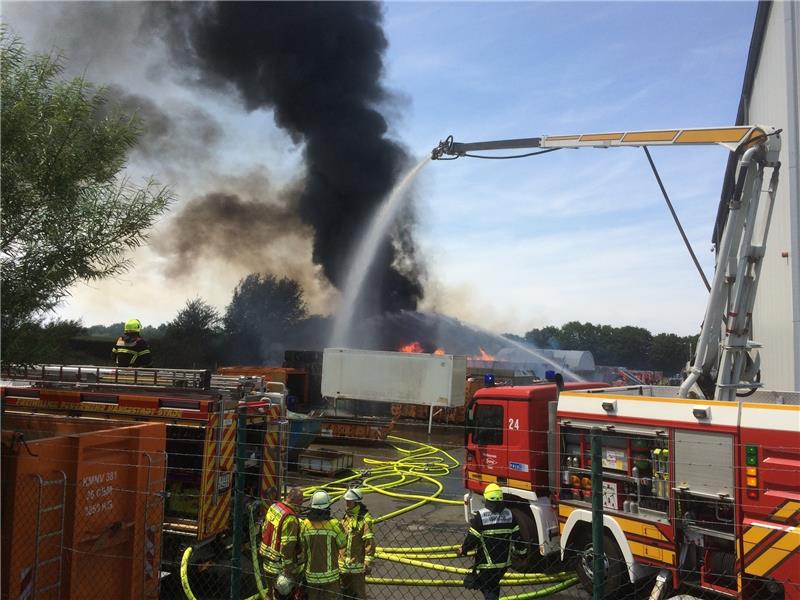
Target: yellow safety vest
[
  {"x": 279, "y": 538},
  {"x": 360, "y": 547},
  {"x": 321, "y": 542}
]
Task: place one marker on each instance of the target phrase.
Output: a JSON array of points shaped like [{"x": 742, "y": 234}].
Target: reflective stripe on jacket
[
  {"x": 493, "y": 534},
  {"x": 279, "y": 539},
  {"x": 360, "y": 547},
  {"x": 321, "y": 542},
  {"x": 131, "y": 351}
]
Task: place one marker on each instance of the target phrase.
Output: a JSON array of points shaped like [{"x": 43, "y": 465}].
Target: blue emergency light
[
  {"x": 550, "y": 375},
  {"x": 488, "y": 380}
]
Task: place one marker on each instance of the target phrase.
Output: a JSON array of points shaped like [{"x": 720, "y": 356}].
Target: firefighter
[
  {"x": 280, "y": 548},
  {"x": 321, "y": 538},
  {"x": 359, "y": 550},
  {"x": 131, "y": 350},
  {"x": 493, "y": 532}
]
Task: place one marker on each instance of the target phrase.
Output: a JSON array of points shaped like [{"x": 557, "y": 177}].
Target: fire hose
[{"x": 424, "y": 463}]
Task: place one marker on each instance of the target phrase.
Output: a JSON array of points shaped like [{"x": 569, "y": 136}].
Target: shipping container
[
  {"x": 401, "y": 377},
  {"x": 83, "y": 503}
]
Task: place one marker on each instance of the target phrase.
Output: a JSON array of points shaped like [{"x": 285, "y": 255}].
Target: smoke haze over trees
[
  {"x": 318, "y": 66},
  {"x": 267, "y": 316},
  {"x": 632, "y": 347}
]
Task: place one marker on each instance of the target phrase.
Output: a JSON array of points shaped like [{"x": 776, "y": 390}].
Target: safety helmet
[
  {"x": 133, "y": 326},
  {"x": 493, "y": 493},
  {"x": 320, "y": 500},
  {"x": 354, "y": 495},
  {"x": 283, "y": 585}
]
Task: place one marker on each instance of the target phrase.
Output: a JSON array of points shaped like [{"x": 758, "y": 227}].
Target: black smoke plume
[{"x": 318, "y": 66}]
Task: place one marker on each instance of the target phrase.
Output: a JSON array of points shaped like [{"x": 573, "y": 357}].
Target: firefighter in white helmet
[
  {"x": 321, "y": 539},
  {"x": 280, "y": 547},
  {"x": 359, "y": 550}
]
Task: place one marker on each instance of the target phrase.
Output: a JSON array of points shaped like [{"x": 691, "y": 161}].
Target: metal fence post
[
  {"x": 238, "y": 502},
  {"x": 599, "y": 557}
]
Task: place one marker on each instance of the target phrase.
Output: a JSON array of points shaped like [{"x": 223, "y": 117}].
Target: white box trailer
[{"x": 395, "y": 377}]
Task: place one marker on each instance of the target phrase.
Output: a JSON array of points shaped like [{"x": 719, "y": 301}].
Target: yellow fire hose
[
  {"x": 532, "y": 577},
  {"x": 423, "y": 463}
]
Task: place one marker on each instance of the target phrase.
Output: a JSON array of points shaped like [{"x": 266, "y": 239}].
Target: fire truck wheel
[
  {"x": 614, "y": 562},
  {"x": 532, "y": 559}
]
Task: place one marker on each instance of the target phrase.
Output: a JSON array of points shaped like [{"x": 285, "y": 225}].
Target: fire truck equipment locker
[{"x": 82, "y": 507}]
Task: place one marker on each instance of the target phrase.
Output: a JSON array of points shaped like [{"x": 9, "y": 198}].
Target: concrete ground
[{"x": 433, "y": 524}]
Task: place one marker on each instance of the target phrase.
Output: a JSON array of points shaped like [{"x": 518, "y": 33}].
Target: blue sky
[{"x": 509, "y": 245}]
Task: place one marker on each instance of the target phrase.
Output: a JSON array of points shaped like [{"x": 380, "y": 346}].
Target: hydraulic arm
[{"x": 724, "y": 362}]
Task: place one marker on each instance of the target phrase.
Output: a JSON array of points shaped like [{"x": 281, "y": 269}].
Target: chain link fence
[{"x": 97, "y": 527}]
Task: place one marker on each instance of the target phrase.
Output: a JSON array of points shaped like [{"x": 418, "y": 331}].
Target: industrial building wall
[{"x": 774, "y": 100}]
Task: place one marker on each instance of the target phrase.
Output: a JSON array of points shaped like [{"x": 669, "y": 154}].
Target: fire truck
[
  {"x": 200, "y": 410},
  {"x": 700, "y": 483}
]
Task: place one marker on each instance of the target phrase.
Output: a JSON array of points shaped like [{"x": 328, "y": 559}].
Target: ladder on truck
[
  {"x": 88, "y": 376},
  {"x": 49, "y": 542}
]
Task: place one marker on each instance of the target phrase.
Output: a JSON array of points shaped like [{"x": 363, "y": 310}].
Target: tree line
[
  {"x": 632, "y": 347},
  {"x": 265, "y": 316}
]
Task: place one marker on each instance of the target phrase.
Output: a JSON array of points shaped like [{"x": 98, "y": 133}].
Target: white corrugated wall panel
[{"x": 774, "y": 101}]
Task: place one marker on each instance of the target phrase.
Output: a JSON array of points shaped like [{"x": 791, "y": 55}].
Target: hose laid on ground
[
  {"x": 433, "y": 582},
  {"x": 187, "y": 589},
  {"x": 530, "y": 577},
  {"x": 185, "y": 574},
  {"x": 544, "y": 591},
  {"x": 423, "y": 463}
]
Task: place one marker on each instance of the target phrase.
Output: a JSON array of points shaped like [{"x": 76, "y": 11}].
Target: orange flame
[
  {"x": 439, "y": 351},
  {"x": 412, "y": 347},
  {"x": 484, "y": 355}
]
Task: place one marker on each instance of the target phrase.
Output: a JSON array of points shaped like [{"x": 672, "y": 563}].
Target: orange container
[{"x": 82, "y": 507}]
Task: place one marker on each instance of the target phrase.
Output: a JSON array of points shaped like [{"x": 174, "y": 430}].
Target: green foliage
[
  {"x": 67, "y": 214},
  {"x": 632, "y": 347},
  {"x": 261, "y": 316},
  {"x": 672, "y": 351},
  {"x": 115, "y": 330},
  {"x": 192, "y": 339},
  {"x": 35, "y": 342}
]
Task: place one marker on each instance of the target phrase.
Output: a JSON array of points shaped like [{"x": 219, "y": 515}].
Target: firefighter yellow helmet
[
  {"x": 133, "y": 326},
  {"x": 493, "y": 493},
  {"x": 354, "y": 495},
  {"x": 320, "y": 500}
]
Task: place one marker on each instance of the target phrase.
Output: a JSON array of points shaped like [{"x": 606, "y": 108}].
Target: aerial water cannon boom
[
  {"x": 732, "y": 138},
  {"x": 725, "y": 363}
]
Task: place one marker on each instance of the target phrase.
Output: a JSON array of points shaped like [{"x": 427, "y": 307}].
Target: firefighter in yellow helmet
[
  {"x": 280, "y": 545},
  {"x": 131, "y": 350},
  {"x": 359, "y": 550},
  {"x": 321, "y": 539},
  {"x": 493, "y": 531}
]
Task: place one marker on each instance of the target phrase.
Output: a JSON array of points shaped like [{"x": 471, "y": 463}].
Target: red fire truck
[
  {"x": 707, "y": 490},
  {"x": 701, "y": 483},
  {"x": 200, "y": 411}
]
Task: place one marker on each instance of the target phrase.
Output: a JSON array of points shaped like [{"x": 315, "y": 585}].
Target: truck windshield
[{"x": 488, "y": 425}]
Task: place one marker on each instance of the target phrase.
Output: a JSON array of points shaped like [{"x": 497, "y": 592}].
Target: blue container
[{"x": 302, "y": 431}]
